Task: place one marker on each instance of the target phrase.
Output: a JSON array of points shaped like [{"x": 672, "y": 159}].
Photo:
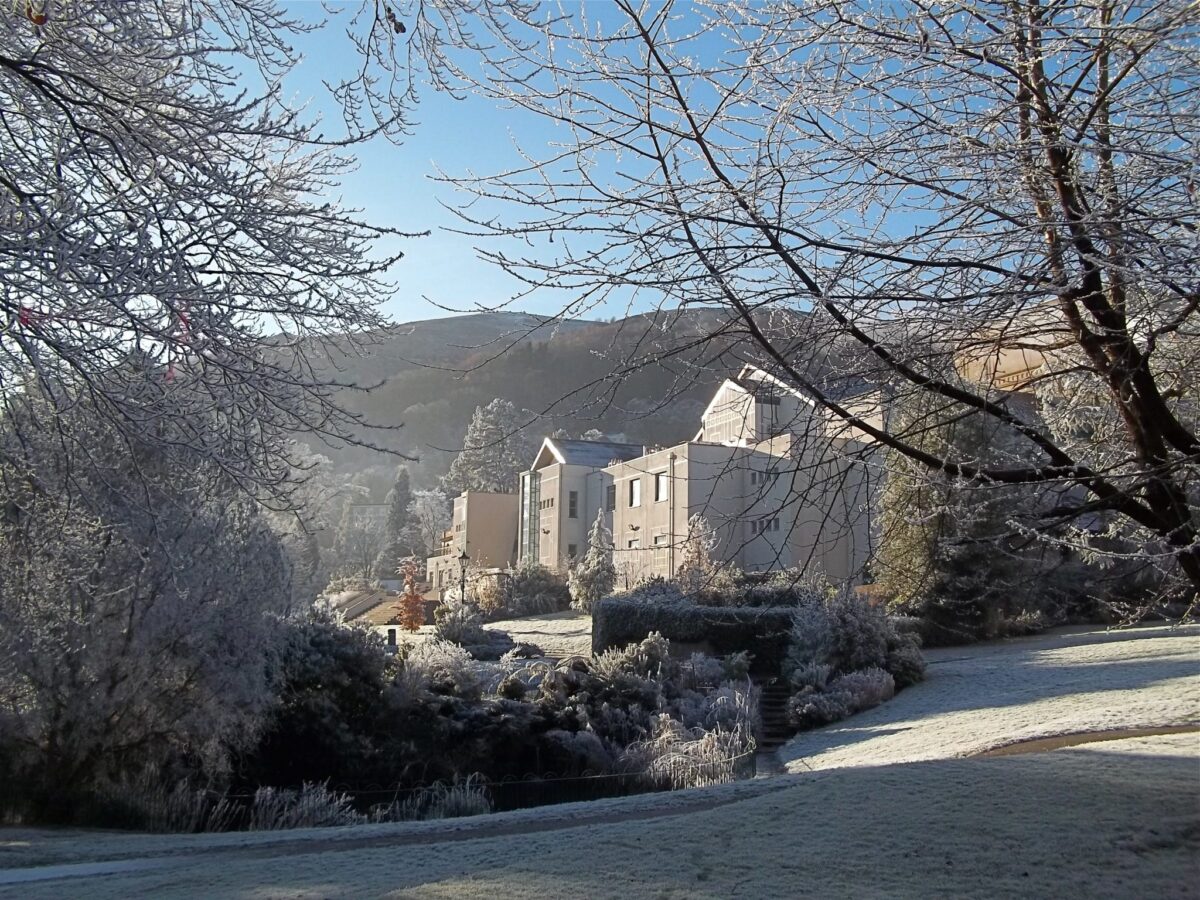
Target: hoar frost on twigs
[{"x": 910, "y": 193}]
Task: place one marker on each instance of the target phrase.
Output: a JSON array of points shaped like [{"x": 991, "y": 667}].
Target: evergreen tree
[
  {"x": 495, "y": 451},
  {"x": 595, "y": 574},
  {"x": 697, "y": 571},
  {"x": 945, "y": 553},
  {"x": 397, "y": 535}
]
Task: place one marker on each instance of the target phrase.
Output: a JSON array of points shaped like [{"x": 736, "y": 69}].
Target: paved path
[{"x": 980, "y": 697}]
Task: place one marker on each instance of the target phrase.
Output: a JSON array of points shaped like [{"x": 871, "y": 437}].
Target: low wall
[{"x": 719, "y": 630}]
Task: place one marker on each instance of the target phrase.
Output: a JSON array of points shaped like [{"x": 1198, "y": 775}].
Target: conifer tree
[
  {"x": 494, "y": 452},
  {"x": 595, "y": 574}
]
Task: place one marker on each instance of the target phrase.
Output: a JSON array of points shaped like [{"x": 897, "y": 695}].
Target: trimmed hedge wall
[{"x": 763, "y": 631}]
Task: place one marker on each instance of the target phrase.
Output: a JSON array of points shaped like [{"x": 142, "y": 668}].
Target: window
[
  {"x": 660, "y": 486},
  {"x": 547, "y": 504},
  {"x": 391, "y": 637},
  {"x": 573, "y": 506},
  {"x": 635, "y": 492},
  {"x": 572, "y": 550},
  {"x": 610, "y": 498},
  {"x": 660, "y": 540},
  {"x": 761, "y": 525},
  {"x": 633, "y": 543}
]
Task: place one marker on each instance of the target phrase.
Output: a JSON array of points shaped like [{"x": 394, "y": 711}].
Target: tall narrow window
[
  {"x": 635, "y": 492},
  {"x": 610, "y": 498},
  {"x": 573, "y": 505},
  {"x": 660, "y": 486}
]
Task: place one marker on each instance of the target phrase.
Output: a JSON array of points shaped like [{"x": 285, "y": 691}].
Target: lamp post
[{"x": 463, "y": 561}]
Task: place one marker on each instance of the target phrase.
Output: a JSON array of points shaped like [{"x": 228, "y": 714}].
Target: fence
[
  {"x": 181, "y": 809},
  {"x": 550, "y": 789}
]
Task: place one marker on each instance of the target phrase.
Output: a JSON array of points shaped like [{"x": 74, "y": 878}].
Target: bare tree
[
  {"x": 918, "y": 192},
  {"x": 160, "y": 201}
]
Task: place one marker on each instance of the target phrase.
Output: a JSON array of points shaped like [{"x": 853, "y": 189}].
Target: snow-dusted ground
[
  {"x": 1118, "y": 818},
  {"x": 981, "y": 697},
  {"x": 559, "y": 634}
]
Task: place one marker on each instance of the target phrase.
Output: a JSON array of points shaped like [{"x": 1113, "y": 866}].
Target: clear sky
[{"x": 393, "y": 186}]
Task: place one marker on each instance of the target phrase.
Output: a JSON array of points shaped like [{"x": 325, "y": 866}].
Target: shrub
[
  {"x": 866, "y": 688},
  {"x": 649, "y": 658},
  {"x": 810, "y": 708},
  {"x": 811, "y": 675},
  {"x": 459, "y": 624},
  {"x": 701, "y": 671},
  {"x": 906, "y": 663},
  {"x": 443, "y": 668},
  {"x": 619, "y": 620},
  {"x": 146, "y": 803},
  {"x": 655, "y": 590},
  {"x": 844, "y": 633},
  {"x": 534, "y": 590},
  {"x": 789, "y": 587}
]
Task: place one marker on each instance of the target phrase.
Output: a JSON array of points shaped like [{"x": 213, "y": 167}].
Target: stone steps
[{"x": 775, "y": 730}]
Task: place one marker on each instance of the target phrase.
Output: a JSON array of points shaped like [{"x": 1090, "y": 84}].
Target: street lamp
[{"x": 464, "y": 560}]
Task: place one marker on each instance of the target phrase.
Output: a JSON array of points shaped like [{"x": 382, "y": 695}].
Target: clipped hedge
[{"x": 763, "y": 631}]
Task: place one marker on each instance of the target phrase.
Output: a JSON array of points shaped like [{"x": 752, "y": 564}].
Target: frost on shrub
[
  {"x": 312, "y": 806},
  {"x": 648, "y": 659},
  {"x": 459, "y": 624},
  {"x": 906, "y": 662},
  {"x": 810, "y": 708},
  {"x": 867, "y": 688},
  {"x": 845, "y": 655},
  {"x": 443, "y": 668},
  {"x": 655, "y": 591},
  {"x": 860, "y": 632},
  {"x": 811, "y": 639},
  {"x": 844, "y": 633},
  {"x": 811, "y": 675},
  {"x": 534, "y": 590},
  {"x": 701, "y": 671}
]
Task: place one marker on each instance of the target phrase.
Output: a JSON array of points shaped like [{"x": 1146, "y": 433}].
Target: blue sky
[{"x": 393, "y": 185}]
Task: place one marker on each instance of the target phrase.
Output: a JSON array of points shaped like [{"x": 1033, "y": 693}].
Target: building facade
[
  {"x": 561, "y": 495},
  {"x": 779, "y": 483},
  {"x": 485, "y": 526}
]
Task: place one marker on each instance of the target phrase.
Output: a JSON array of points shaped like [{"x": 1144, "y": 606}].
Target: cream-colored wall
[
  {"x": 818, "y": 494},
  {"x": 557, "y": 530},
  {"x": 485, "y": 525}
]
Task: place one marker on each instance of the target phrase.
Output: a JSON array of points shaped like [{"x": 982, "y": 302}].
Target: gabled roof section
[
  {"x": 593, "y": 454},
  {"x": 750, "y": 380}
]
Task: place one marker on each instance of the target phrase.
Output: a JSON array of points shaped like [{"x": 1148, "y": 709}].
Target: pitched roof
[
  {"x": 594, "y": 454},
  {"x": 352, "y": 604}
]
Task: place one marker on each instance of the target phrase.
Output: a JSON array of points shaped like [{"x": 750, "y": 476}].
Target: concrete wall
[
  {"x": 811, "y": 496},
  {"x": 485, "y": 525}
]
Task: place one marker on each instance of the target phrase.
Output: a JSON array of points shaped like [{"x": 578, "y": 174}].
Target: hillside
[{"x": 647, "y": 377}]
